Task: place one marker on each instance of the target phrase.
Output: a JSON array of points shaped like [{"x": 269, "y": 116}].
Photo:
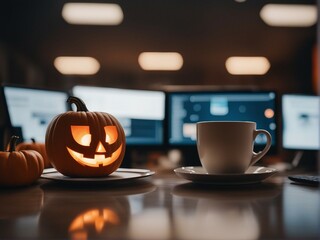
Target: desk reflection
[
  {"x": 301, "y": 211},
  {"x": 219, "y": 212},
  {"x": 85, "y": 212},
  {"x": 20, "y": 202},
  {"x": 163, "y": 207}
]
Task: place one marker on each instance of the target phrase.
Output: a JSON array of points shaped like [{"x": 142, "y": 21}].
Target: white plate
[
  {"x": 120, "y": 175},
  {"x": 254, "y": 174}
]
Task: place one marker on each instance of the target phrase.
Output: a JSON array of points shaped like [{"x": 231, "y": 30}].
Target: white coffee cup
[{"x": 227, "y": 147}]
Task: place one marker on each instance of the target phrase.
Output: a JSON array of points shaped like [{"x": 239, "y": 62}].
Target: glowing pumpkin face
[
  {"x": 95, "y": 152},
  {"x": 85, "y": 144}
]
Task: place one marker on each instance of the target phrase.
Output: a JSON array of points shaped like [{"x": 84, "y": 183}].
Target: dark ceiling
[{"x": 205, "y": 32}]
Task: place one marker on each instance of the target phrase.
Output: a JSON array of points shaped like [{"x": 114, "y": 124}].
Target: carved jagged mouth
[{"x": 98, "y": 160}]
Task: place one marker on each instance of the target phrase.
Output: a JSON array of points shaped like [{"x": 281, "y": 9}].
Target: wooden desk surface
[{"x": 163, "y": 206}]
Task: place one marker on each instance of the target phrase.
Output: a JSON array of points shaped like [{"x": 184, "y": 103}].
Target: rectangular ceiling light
[
  {"x": 77, "y": 65},
  {"x": 289, "y": 15},
  {"x": 92, "y": 13},
  {"x": 247, "y": 65},
  {"x": 160, "y": 61}
]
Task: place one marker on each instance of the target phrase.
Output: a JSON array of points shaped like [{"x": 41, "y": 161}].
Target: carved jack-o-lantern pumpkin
[{"x": 85, "y": 144}]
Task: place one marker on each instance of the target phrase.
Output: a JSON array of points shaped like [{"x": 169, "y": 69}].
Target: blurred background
[
  {"x": 203, "y": 36},
  {"x": 206, "y": 33}
]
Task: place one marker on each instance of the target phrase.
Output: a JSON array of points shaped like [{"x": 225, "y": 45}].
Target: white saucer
[
  {"x": 120, "y": 175},
  {"x": 254, "y": 174}
]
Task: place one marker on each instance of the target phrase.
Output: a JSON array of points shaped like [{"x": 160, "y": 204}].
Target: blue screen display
[
  {"x": 301, "y": 122},
  {"x": 140, "y": 112},
  {"x": 188, "y": 108}
]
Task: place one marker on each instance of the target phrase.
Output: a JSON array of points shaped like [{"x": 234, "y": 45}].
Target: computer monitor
[
  {"x": 185, "y": 109},
  {"x": 300, "y": 122},
  {"x": 30, "y": 110},
  {"x": 140, "y": 112}
]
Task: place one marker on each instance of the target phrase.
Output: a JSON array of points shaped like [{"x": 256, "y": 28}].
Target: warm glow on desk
[
  {"x": 289, "y": 15},
  {"x": 160, "y": 61},
  {"x": 92, "y": 13},
  {"x": 77, "y": 65},
  {"x": 247, "y": 65},
  {"x": 94, "y": 220}
]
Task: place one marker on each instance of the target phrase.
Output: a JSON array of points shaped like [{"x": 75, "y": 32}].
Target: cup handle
[{"x": 257, "y": 156}]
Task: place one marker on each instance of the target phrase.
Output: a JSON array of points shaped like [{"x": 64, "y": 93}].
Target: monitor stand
[
  {"x": 284, "y": 166},
  {"x": 296, "y": 159}
]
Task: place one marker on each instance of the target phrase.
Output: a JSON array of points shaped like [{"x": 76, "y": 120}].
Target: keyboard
[{"x": 306, "y": 179}]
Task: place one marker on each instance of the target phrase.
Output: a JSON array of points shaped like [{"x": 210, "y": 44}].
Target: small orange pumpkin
[
  {"x": 19, "y": 168},
  {"x": 85, "y": 144},
  {"x": 37, "y": 146}
]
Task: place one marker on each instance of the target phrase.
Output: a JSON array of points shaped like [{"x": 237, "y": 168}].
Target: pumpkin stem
[
  {"x": 81, "y": 106},
  {"x": 33, "y": 140},
  {"x": 12, "y": 144}
]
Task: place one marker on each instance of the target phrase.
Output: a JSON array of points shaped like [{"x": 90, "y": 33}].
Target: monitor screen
[
  {"x": 31, "y": 110},
  {"x": 140, "y": 112},
  {"x": 301, "y": 122},
  {"x": 188, "y": 108}
]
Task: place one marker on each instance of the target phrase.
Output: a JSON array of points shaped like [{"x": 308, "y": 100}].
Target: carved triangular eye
[
  {"x": 111, "y": 134},
  {"x": 81, "y": 134}
]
